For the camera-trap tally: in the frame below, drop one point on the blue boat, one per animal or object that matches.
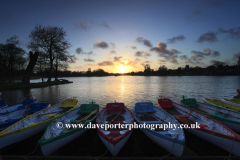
(153, 119)
(20, 106)
(22, 111)
(3, 104)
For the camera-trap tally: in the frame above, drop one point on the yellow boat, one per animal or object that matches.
(35, 123)
(235, 100)
(221, 103)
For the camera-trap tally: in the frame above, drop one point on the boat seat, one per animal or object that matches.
(64, 132)
(144, 107)
(113, 122)
(164, 132)
(12, 120)
(203, 126)
(114, 132)
(152, 122)
(74, 121)
(115, 108)
(183, 116)
(50, 115)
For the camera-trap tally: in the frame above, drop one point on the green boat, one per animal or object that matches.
(68, 127)
(228, 117)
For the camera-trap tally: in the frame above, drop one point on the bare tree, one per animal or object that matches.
(50, 40)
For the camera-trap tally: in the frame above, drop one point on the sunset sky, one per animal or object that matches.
(124, 35)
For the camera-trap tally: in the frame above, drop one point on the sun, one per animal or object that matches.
(122, 69)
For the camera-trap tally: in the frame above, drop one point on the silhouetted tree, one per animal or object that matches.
(162, 70)
(29, 70)
(219, 64)
(238, 61)
(147, 70)
(50, 40)
(11, 57)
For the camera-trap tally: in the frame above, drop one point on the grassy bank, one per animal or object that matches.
(13, 86)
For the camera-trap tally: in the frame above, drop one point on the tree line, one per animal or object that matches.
(49, 52)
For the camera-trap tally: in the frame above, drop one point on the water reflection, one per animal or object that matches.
(130, 89)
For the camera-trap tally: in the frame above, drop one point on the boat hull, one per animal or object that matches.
(55, 145)
(5, 141)
(221, 142)
(115, 149)
(176, 150)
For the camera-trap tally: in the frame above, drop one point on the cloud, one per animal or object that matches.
(198, 56)
(133, 47)
(213, 61)
(104, 24)
(79, 50)
(183, 57)
(147, 62)
(73, 60)
(138, 54)
(161, 61)
(236, 56)
(100, 44)
(141, 54)
(106, 63)
(143, 41)
(88, 60)
(112, 44)
(170, 55)
(117, 59)
(82, 26)
(232, 32)
(207, 37)
(206, 52)
(112, 52)
(147, 54)
(175, 39)
(215, 54)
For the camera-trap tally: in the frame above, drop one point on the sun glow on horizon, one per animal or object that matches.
(122, 69)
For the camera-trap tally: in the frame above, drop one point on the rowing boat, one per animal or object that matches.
(35, 123)
(234, 101)
(22, 111)
(171, 139)
(58, 135)
(114, 138)
(220, 103)
(228, 117)
(16, 107)
(3, 104)
(208, 128)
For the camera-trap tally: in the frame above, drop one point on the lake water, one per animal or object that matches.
(130, 89)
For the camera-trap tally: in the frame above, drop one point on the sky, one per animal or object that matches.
(122, 36)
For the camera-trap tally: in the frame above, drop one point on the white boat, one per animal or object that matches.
(171, 139)
(229, 118)
(114, 138)
(57, 135)
(34, 123)
(209, 129)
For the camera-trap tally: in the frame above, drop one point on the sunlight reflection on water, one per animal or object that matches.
(130, 89)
